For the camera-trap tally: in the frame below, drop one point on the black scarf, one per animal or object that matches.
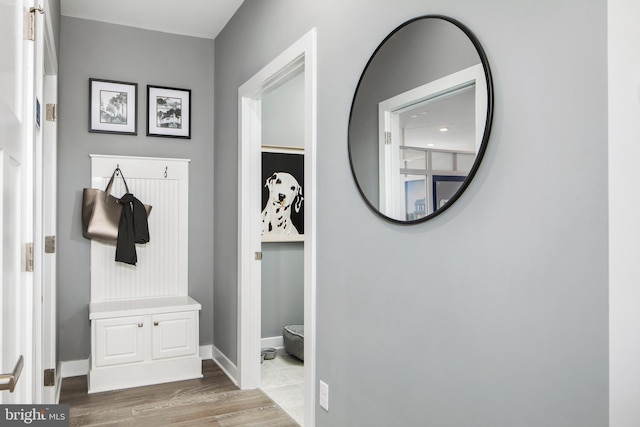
(133, 228)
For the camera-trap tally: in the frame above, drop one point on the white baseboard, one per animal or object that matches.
(227, 366)
(139, 374)
(206, 352)
(276, 342)
(73, 368)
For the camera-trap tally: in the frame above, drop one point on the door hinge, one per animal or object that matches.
(49, 377)
(29, 25)
(50, 244)
(51, 112)
(29, 257)
(258, 256)
(30, 22)
(387, 138)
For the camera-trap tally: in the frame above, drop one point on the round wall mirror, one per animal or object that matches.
(420, 119)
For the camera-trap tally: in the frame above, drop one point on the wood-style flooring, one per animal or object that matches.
(210, 401)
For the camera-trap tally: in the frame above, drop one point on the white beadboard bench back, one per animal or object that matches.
(162, 265)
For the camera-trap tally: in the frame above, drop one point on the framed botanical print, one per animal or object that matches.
(113, 107)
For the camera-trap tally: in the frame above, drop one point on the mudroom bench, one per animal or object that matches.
(144, 341)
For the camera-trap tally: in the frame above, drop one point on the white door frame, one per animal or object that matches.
(44, 291)
(301, 55)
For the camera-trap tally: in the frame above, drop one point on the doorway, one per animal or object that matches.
(299, 58)
(282, 218)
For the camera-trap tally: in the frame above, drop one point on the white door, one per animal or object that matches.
(16, 210)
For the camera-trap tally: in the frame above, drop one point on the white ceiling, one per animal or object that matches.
(197, 18)
(455, 111)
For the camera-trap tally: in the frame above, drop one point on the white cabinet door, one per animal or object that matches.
(174, 335)
(119, 340)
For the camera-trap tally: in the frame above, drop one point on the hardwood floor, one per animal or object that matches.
(210, 401)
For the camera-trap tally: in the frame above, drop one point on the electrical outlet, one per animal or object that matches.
(324, 395)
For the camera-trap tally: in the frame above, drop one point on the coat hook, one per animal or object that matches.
(166, 169)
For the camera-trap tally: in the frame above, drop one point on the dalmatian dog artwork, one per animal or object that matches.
(285, 194)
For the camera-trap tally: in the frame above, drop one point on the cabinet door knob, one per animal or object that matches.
(140, 325)
(155, 323)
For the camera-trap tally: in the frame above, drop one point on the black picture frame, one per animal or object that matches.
(275, 162)
(444, 188)
(113, 107)
(168, 112)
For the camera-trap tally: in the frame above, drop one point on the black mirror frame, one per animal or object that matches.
(487, 127)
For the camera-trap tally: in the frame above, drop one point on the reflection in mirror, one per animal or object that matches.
(420, 119)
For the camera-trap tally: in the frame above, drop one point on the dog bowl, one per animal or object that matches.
(269, 353)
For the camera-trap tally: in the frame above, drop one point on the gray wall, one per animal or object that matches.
(282, 286)
(283, 263)
(93, 49)
(54, 7)
(283, 114)
(493, 314)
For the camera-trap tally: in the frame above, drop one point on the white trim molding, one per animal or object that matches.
(76, 368)
(274, 342)
(623, 37)
(206, 352)
(228, 367)
(73, 368)
(299, 56)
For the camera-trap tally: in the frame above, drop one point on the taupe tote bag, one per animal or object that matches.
(101, 212)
